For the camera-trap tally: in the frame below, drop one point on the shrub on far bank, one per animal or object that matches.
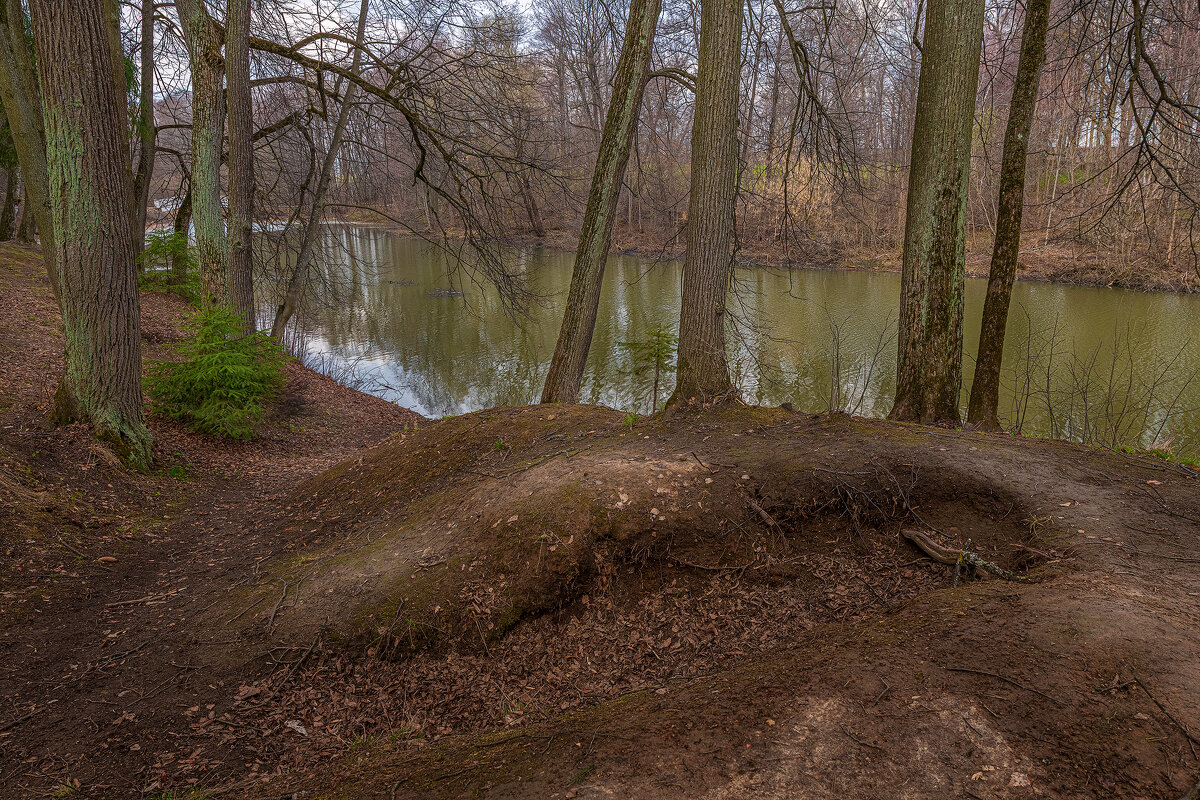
(222, 379)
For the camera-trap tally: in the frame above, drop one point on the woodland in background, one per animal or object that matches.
(487, 121)
(797, 133)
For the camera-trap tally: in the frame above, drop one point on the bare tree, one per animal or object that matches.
(702, 372)
(985, 387)
(579, 314)
(91, 196)
(929, 373)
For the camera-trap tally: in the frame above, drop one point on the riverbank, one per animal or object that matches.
(1070, 265)
(564, 602)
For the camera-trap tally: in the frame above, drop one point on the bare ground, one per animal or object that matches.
(545, 602)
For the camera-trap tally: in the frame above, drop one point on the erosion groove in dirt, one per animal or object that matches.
(444, 538)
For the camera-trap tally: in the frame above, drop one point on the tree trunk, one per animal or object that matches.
(929, 374)
(23, 104)
(25, 227)
(703, 373)
(91, 198)
(146, 129)
(208, 124)
(583, 298)
(240, 282)
(308, 245)
(9, 214)
(985, 388)
(183, 223)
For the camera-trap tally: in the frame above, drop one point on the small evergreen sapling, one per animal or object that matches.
(222, 377)
(652, 358)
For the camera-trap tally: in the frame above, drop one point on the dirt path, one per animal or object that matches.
(101, 674)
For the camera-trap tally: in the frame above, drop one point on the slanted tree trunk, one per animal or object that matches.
(208, 125)
(23, 104)
(985, 388)
(929, 374)
(239, 285)
(91, 196)
(308, 244)
(146, 129)
(583, 298)
(702, 371)
(8, 215)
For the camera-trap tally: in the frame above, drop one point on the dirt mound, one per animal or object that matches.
(451, 535)
(724, 606)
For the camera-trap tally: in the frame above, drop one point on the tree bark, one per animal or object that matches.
(145, 127)
(87, 152)
(929, 374)
(982, 410)
(23, 104)
(702, 372)
(25, 228)
(8, 215)
(183, 224)
(208, 125)
(583, 298)
(239, 285)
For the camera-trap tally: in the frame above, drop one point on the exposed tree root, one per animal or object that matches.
(957, 558)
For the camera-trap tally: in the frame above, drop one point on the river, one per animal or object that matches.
(1105, 366)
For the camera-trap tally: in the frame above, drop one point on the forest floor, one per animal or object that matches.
(562, 602)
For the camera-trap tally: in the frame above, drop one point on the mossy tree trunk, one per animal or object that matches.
(239, 285)
(702, 371)
(983, 409)
(208, 124)
(145, 128)
(23, 104)
(91, 196)
(583, 298)
(932, 278)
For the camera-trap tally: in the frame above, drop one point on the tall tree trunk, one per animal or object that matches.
(23, 104)
(308, 245)
(583, 298)
(703, 373)
(239, 285)
(91, 198)
(985, 388)
(146, 129)
(183, 223)
(208, 124)
(8, 215)
(929, 374)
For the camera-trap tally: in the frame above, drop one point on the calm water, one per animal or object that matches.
(1106, 366)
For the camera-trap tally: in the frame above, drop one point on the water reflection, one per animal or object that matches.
(1106, 366)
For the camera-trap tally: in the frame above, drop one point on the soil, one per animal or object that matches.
(562, 602)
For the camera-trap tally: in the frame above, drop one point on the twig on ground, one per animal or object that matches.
(1006, 680)
(858, 740)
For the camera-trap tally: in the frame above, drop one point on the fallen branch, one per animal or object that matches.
(956, 558)
(1009, 681)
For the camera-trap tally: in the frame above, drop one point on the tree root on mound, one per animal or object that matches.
(957, 558)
